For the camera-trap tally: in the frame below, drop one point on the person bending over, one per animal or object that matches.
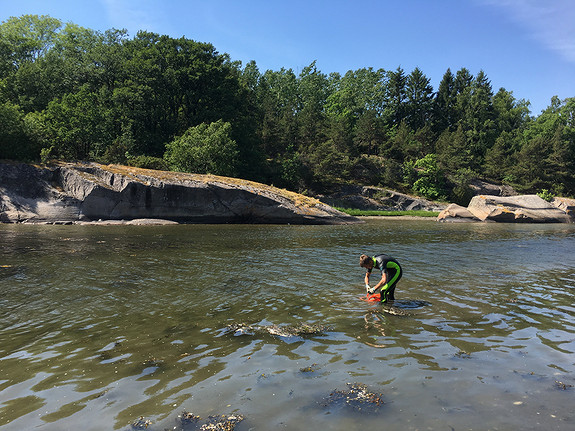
(390, 274)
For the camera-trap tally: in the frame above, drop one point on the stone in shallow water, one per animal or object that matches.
(141, 423)
(222, 423)
(357, 397)
(280, 331)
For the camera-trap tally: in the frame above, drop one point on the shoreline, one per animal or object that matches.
(163, 222)
(397, 217)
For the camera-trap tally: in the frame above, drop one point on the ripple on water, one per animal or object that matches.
(107, 324)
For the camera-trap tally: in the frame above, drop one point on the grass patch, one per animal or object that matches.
(367, 213)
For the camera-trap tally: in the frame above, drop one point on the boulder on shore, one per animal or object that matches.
(522, 208)
(565, 204)
(456, 213)
(76, 192)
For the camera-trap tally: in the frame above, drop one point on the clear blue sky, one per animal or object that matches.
(525, 46)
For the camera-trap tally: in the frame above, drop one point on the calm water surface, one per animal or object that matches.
(100, 325)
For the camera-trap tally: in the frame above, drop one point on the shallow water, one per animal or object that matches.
(100, 325)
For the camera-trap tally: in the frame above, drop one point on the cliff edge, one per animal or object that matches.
(74, 192)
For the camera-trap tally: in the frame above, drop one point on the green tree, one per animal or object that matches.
(353, 109)
(204, 149)
(369, 133)
(28, 37)
(511, 115)
(28, 74)
(462, 92)
(313, 92)
(478, 119)
(292, 169)
(396, 97)
(530, 169)
(78, 126)
(400, 143)
(425, 177)
(444, 116)
(14, 143)
(499, 159)
(355, 93)
(278, 101)
(453, 152)
(419, 99)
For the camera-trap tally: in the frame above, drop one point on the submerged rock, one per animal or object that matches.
(187, 418)
(141, 423)
(357, 397)
(88, 192)
(281, 331)
(222, 423)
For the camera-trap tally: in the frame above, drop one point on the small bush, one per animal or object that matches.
(546, 194)
(148, 162)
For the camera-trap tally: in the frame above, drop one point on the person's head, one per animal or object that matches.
(365, 261)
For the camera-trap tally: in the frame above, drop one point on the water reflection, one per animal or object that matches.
(102, 325)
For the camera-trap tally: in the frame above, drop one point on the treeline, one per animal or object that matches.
(71, 93)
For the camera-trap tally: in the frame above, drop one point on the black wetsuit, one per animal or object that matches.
(393, 273)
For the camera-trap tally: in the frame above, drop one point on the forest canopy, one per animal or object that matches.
(72, 93)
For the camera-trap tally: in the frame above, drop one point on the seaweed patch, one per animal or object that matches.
(300, 330)
(357, 397)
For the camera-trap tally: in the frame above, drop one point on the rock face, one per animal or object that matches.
(456, 213)
(484, 188)
(565, 204)
(84, 192)
(523, 208)
(376, 198)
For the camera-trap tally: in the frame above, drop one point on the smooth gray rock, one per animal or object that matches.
(523, 208)
(377, 198)
(456, 213)
(86, 192)
(479, 187)
(565, 204)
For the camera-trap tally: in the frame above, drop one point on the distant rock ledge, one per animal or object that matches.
(94, 193)
(512, 209)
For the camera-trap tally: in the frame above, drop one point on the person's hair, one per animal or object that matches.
(364, 260)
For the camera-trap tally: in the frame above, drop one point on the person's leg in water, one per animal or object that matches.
(388, 290)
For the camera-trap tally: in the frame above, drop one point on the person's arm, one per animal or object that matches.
(382, 281)
(367, 288)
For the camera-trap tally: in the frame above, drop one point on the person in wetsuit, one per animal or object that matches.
(390, 274)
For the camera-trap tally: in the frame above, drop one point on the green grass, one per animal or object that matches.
(367, 213)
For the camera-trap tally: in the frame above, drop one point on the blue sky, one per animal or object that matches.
(525, 46)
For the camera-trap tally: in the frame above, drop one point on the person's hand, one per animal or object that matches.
(369, 289)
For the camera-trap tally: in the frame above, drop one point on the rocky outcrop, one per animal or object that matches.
(87, 192)
(523, 208)
(376, 198)
(457, 213)
(479, 187)
(565, 204)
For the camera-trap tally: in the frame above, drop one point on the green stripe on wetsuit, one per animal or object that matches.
(392, 265)
(383, 263)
